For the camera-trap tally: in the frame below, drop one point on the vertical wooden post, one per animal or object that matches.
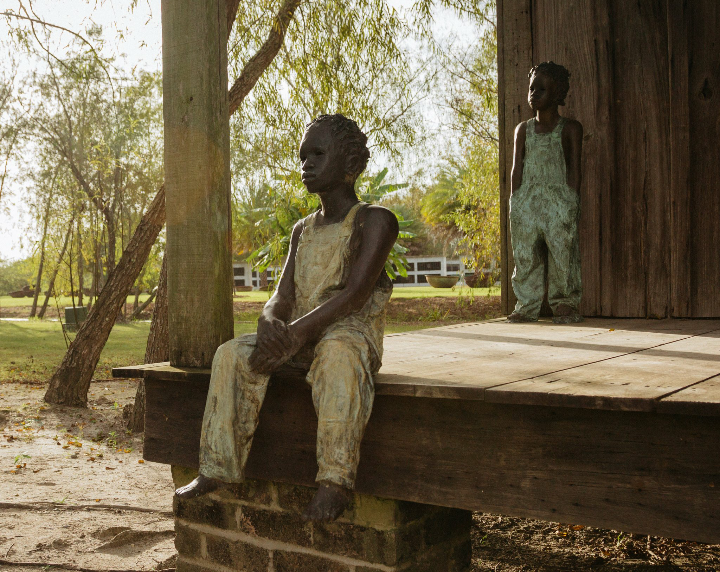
(515, 56)
(680, 192)
(197, 179)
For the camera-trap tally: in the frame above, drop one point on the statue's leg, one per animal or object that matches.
(343, 395)
(231, 411)
(563, 241)
(528, 279)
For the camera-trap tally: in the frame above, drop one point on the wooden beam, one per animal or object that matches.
(680, 212)
(630, 471)
(704, 167)
(197, 179)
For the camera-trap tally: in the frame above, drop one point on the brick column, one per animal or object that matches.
(258, 528)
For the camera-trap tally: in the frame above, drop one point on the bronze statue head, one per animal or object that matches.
(549, 85)
(333, 151)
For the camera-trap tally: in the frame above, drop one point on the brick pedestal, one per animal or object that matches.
(258, 528)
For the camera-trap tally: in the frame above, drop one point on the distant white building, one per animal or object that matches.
(418, 267)
(244, 275)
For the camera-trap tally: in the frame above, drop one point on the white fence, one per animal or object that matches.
(419, 266)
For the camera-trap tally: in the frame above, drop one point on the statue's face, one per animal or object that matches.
(542, 92)
(323, 167)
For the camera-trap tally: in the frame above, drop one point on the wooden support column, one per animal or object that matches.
(515, 57)
(197, 179)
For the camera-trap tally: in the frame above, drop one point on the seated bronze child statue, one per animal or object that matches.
(545, 202)
(327, 315)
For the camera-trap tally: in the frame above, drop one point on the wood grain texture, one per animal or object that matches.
(701, 399)
(640, 258)
(631, 382)
(587, 53)
(680, 190)
(197, 179)
(514, 62)
(645, 83)
(704, 103)
(629, 471)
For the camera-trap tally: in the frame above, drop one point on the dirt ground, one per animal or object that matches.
(75, 494)
(73, 487)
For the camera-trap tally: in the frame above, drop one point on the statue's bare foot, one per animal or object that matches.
(329, 503)
(517, 318)
(200, 486)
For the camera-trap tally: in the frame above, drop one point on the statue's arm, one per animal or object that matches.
(280, 304)
(518, 157)
(572, 138)
(379, 231)
(273, 337)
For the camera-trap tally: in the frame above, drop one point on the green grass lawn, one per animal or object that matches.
(400, 292)
(258, 296)
(62, 301)
(429, 292)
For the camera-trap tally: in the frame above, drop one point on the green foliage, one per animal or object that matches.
(98, 146)
(339, 56)
(463, 203)
(276, 221)
(16, 275)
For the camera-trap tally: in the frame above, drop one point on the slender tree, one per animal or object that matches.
(43, 238)
(53, 276)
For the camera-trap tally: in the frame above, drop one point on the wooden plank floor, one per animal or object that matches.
(629, 365)
(610, 423)
(599, 364)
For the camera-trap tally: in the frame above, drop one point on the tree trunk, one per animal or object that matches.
(69, 384)
(157, 349)
(139, 310)
(80, 265)
(110, 226)
(38, 279)
(51, 284)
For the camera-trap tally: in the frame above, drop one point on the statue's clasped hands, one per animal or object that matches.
(276, 343)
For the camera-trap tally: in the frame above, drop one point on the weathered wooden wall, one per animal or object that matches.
(645, 81)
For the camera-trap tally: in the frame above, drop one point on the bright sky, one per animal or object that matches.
(134, 38)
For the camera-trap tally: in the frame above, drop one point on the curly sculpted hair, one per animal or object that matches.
(351, 140)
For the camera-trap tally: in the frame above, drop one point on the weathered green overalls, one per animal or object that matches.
(341, 366)
(545, 209)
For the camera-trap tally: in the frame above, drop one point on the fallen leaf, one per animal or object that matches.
(109, 468)
(140, 461)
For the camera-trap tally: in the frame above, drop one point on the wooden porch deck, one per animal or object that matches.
(612, 423)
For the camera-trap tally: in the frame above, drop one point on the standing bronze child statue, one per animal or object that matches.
(545, 201)
(327, 315)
